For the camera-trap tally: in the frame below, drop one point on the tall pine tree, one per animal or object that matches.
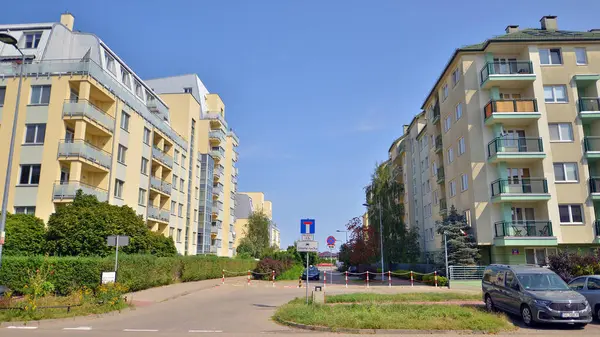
(462, 246)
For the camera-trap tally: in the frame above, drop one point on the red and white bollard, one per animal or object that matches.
(273, 278)
(325, 279)
(248, 277)
(435, 278)
(389, 278)
(346, 279)
(412, 280)
(223, 278)
(367, 279)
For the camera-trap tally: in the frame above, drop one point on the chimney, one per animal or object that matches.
(68, 20)
(549, 22)
(511, 29)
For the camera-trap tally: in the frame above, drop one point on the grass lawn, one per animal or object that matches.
(407, 297)
(393, 316)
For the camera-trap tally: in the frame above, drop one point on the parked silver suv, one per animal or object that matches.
(535, 293)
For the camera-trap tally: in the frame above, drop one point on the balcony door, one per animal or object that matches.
(518, 180)
(514, 140)
(505, 66)
(69, 136)
(523, 218)
(522, 214)
(64, 175)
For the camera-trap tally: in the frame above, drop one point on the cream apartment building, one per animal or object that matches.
(87, 121)
(514, 139)
(248, 203)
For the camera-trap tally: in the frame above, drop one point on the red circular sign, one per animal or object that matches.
(331, 240)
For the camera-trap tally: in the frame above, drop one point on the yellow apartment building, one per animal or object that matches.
(87, 121)
(249, 202)
(509, 135)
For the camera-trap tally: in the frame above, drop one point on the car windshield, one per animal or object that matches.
(539, 282)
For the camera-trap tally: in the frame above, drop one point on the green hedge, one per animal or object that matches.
(136, 272)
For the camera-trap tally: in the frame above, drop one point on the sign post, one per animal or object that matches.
(116, 241)
(307, 230)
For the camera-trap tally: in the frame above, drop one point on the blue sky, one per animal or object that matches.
(316, 90)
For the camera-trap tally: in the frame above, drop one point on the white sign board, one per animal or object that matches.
(308, 237)
(307, 246)
(109, 277)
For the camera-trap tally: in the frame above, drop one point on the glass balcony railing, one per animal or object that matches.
(510, 106)
(162, 157)
(591, 144)
(589, 104)
(67, 190)
(520, 186)
(161, 185)
(521, 145)
(83, 108)
(217, 205)
(439, 145)
(216, 116)
(84, 150)
(524, 228)
(506, 68)
(158, 213)
(217, 134)
(443, 205)
(594, 184)
(440, 175)
(217, 152)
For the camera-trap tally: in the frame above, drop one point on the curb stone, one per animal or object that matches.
(64, 319)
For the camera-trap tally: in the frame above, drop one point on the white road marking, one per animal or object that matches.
(80, 328)
(140, 330)
(206, 331)
(22, 327)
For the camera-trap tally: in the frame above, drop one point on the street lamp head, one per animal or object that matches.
(8, 39)
(366, 205)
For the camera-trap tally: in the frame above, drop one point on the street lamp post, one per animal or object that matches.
(346, 232)
(9, 39)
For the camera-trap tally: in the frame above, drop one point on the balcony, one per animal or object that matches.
(436, 114)
(217, 205)
(162, 157)
(515, 150)
(524, 233)
(511, 111)
(397, 172)
(595, 188)
(589, 108)
(217, 120)
(591, 145)
(158, 214)
(83, 109)
(219, 171)
(213, 249)
(597, 229)
(160, 185)
(400, 149)
(443, 206)
(440, 175)
(217, 153)
(217, 136)
(66, 191)
(522, 190)
(439, 144)
(511, 74)
(234, 155)
(85, 152)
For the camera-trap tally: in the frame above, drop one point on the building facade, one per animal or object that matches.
(512, 128)
(248, 203)
(87, 121)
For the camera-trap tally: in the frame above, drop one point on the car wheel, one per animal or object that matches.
(598, 312)
(489, 304)
(527, 315)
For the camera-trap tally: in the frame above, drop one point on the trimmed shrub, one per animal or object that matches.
(266, 266)
(569, 265)
(430, 280)
(136, 272)
(25, 235)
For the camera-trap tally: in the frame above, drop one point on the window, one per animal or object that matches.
(2, 95)
(183, 160)
(464, 182)
(180, 210)
(550, 56)
(580, 56)
(171, 231)
(196, 193)
(142, 197)
(445, 91)
(197, 171)
(30, 174)
(181, 182)
(427, 186)
(125, 77)
(173, 208)
(561, 132)
(555, 94)
(592, 283)
(40, 95)
(570, 213)
(178, 235)
(187, 90)
(434, 168)
(447, 123)
(144, 168)
(124, 121)
(147, 136)
(119, 184)
(196, 215)
(174, 182)
(577, 284)
(109, 63)
(458, 111)
(566, 172)
(138, 90)
(450, 155)
(35, 133)
(176, 157)
(32, 40)
(461, 146)
(436, 197)
(452, 188)
(455, 77)
(121, 154)
(25, 210)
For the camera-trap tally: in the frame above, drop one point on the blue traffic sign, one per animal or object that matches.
(307, 226)
(330, 241)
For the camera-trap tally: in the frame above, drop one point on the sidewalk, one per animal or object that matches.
(165, 293)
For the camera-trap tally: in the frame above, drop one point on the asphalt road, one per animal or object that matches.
(233, 309)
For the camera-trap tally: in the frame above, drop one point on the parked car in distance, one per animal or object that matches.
(537, 294)
(589, 287)
(3, 290)
(313, 273)
(352, 269)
